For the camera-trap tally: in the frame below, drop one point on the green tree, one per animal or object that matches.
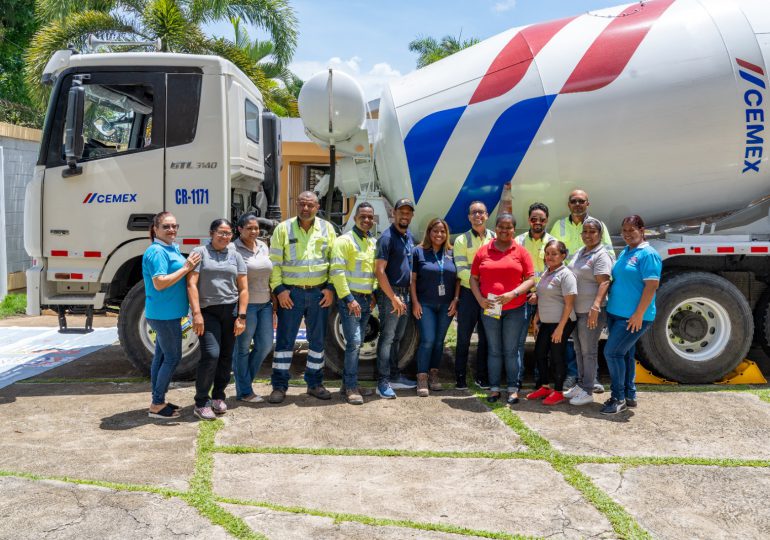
(176, 22)
(262, 54)
(432, 50)
(17, 25)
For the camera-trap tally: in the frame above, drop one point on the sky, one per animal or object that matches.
(370, 39)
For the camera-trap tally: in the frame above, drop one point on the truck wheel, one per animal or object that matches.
(138, 339)
(702, 331)
(334, 347)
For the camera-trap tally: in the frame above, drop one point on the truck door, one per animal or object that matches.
(119, 183)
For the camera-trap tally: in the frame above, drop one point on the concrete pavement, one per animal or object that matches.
(82, 459)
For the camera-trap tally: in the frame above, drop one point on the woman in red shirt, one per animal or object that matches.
(501, 275)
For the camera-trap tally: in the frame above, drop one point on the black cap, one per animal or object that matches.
(404, 202)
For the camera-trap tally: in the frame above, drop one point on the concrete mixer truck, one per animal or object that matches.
(656, 107)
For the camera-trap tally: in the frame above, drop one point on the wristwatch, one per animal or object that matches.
(242, 316)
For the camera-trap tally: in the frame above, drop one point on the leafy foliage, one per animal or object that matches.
(17, 25)
(432, 50)
(176, 22)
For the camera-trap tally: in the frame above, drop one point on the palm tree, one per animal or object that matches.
(430, 50)
(284, 97)
(176, 22)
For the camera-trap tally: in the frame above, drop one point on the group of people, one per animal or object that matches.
(568, 283)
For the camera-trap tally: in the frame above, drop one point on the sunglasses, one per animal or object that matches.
(578, 201)
(169, 227)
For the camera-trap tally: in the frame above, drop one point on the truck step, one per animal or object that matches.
(61, 311)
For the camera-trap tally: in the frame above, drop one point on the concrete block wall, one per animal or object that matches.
(20, 150)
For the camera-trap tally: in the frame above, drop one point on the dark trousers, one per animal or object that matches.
(217, 344)
(468, 318)
(551, 357)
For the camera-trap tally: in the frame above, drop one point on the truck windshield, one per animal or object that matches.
(117, 118)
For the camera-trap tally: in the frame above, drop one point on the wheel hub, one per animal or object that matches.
(689, 326)
(698, 329)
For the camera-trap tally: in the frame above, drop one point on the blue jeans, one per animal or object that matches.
(503, 336)
(468, 319)
(354, 330)
(529, 314)
(305, 306)
(168, 353)
(392, 328)
(433, 327)
(619, 353)
(259, 329)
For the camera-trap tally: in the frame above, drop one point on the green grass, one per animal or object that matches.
(450, 341)
(372, 452)
(13, 305)
(201, 494)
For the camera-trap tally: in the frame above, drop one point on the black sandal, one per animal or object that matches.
(175, 407)
(493, 397)
(165, 413)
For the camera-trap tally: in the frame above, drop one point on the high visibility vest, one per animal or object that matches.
(569, 233)
(299, 257)
(465, 247)
(536, 250)
(352, 264)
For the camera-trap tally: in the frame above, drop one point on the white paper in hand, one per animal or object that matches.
(496, 309)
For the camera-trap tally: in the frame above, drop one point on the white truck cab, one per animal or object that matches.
(128, 135)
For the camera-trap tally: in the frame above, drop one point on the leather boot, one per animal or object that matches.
(433, 383)
(422, 385)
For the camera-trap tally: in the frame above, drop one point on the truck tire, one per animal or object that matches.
(138, 339)
(702, 331)
(334, 347)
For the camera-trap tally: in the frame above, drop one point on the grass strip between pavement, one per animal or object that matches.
(117, 486)
(624, 525)
(377, 522)
(201, 494)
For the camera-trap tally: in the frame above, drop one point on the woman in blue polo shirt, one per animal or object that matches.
(630, 311)
(163, 271)
(435, 292)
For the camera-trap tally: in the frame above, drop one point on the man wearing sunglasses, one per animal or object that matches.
(569, 231)
(534, 241)
(468, 310)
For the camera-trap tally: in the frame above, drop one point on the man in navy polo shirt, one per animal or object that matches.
(393, 268)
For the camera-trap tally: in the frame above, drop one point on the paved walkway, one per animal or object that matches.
(80, 458)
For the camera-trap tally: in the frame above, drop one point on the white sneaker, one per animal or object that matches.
(582, 398)
(572, 392)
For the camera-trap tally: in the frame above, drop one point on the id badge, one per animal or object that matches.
(441, 290)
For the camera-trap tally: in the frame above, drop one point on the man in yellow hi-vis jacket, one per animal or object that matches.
(300, 250)
(352, 274)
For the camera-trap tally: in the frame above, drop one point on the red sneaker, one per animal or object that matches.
(540, 393)
(554, 398)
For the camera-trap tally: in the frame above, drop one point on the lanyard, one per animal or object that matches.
(407, 251)
(440, 263)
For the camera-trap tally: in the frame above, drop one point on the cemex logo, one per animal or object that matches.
(109, 198)
(754, 114)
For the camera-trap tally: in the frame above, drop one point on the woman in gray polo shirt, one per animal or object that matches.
(556, 292)
(592, 266)
(218, 296)
(259, 314)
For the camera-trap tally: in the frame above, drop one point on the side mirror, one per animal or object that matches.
(73, 130)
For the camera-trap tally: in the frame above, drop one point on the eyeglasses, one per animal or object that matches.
(478, 212)
(224, 234)
(169, 227)
(578, 201)
(537, 220)
(251, 229)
